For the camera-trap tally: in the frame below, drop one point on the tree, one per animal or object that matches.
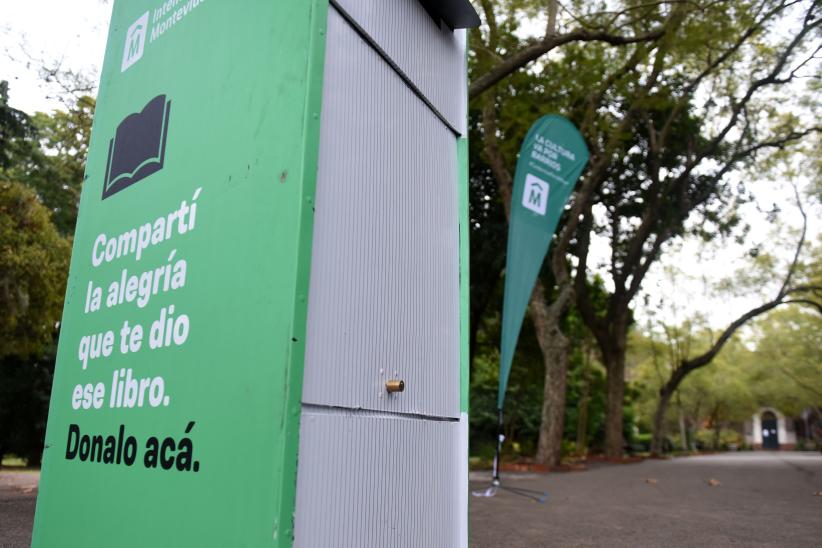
(25, 388)
(786, 367)
(42, 159)
(593, 25)
(708, 112)
(15, 126)
(64, 140)
(51, 159)
(795, 288)
(715, 395)
(775, 364)
(507, 100)
(33, 269)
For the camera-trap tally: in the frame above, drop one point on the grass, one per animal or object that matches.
(10, 461)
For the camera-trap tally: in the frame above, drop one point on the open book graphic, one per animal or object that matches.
(138, 147)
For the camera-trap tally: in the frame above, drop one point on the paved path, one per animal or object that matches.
(762, 499)
(18, 491)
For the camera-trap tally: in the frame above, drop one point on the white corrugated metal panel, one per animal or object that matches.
(462, 474)
(372, 480)
(384, 292)
(432, 57)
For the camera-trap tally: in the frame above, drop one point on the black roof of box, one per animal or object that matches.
(457, 14)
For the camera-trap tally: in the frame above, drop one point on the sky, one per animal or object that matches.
(72, 34)
(36, 33)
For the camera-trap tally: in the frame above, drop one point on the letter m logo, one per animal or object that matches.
(535, 194)
(135, 42)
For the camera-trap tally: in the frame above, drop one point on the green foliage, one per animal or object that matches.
(586, 381)
(51, 159)
(15, 126)
(525, 392)
(33, 269)
(708, 439)
(42, 159)
(64, 140)
(524, 402)
(785, 371)
(778, 366)
(721, 389)
(672, 123)
(25, 387)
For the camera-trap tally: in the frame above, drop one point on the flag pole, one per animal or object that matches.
(552, 157)
(496, 482)
(500, 439)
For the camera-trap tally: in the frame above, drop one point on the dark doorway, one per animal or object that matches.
(770, 436)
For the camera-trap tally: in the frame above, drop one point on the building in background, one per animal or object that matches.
(769, 429)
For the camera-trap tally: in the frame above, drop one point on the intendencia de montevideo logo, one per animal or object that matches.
(135, 42)
(535, 194)
(162, 19)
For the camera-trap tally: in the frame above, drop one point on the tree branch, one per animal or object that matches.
(688, 365)
(505, 182)
(536, 50)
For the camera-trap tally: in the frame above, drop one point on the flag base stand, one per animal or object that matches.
(496, 482)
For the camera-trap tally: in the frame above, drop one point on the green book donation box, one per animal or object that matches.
(264, 334)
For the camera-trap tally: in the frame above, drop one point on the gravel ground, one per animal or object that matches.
(18, 491)
(741, 499)
(761, 499)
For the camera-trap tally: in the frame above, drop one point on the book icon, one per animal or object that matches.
(139, 146)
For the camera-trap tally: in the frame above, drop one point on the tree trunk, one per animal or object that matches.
(659, 422)
(546, 318)
(584, 402)
(554, 345)
(717, 427)
(683, 432)
(692, 427)
(668, 389)
(615, 386)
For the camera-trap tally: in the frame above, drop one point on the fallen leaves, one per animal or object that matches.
(652, 481)
(713, 482)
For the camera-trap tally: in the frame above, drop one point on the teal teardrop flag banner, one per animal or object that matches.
(550, 161)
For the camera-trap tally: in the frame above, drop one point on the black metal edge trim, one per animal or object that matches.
(385, 57)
